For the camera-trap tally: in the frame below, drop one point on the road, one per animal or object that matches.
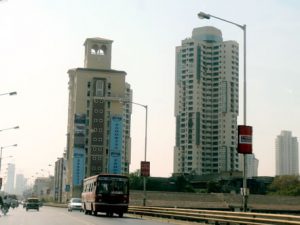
(60, 216)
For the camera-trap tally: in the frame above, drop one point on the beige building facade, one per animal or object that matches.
(98, 138)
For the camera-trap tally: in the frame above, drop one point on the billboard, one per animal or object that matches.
(79, 130)
(115, 145)
(78, 166)
(244, 139)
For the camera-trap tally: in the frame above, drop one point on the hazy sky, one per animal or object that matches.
(41, 39)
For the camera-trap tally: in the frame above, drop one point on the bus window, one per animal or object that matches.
(114, 186)
(102, 188)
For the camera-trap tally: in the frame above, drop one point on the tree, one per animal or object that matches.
(214, 187)
(285, 185)
(135, 180)
(183, 184)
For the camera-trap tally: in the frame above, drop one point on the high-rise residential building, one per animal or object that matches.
(59, 180)
(10, 180)
(20, 184)
(98, 119)
(206, 103)
(287, 155)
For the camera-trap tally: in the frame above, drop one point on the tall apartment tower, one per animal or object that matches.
(9, 186)
(287, 155)
(59, 180)
(20, 186)
(98, 138)
(206, 103)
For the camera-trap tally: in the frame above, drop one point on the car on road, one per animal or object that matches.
(32, 203)
(74, 204)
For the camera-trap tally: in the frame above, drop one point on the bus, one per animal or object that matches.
(108, 193)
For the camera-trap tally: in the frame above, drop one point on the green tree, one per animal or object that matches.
(285, 185)
(213, 186)
(135, 180)
(183, 184)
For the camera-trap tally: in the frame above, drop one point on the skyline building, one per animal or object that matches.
(10, 180)
(98, 137)
(60, 180)
(287, 154)
(206, 103)
(21, 183)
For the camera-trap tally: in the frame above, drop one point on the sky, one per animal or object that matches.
(40, 40)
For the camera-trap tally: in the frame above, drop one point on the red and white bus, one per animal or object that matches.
(108, 193)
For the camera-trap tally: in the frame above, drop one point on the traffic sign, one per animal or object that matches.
(145, 168)
(244, 140)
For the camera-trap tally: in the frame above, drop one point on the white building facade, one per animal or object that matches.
(206, 103)
(9, 186)
(251, 164)
(21, 183)
(287, 154)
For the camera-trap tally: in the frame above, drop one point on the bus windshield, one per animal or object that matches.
(112, 186)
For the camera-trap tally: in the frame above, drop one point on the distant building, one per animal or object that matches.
(287, 154)
(21, 183)
(60, 180)
(252, 165)
(98, 137)
(10, 180)
(206, 104)
(43, 187)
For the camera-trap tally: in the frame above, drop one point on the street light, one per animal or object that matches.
(10, 128)
(46, 171)
(145, 156)
(50, 165)
(9, 93)
(203, 15)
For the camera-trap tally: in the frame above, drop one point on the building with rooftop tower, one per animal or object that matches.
(98, 137)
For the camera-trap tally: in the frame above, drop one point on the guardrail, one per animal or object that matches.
(217, 217)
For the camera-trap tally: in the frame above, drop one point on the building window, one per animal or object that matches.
(96, 50)
(99, 89)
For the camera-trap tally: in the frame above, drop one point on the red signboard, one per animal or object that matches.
(145, 168)
(244, 139)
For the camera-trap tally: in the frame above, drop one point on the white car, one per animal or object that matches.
(74, 204)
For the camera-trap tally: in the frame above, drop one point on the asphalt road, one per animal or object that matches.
(61, 216)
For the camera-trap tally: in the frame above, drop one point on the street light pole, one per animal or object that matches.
(203, 15)
(146, 119)
(145, 152)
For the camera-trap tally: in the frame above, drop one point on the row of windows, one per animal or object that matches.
(96, 158)
(204, 53)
